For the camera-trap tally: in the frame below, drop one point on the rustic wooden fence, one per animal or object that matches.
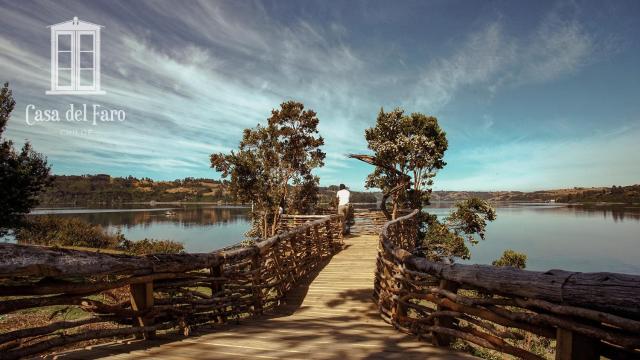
(586, 314)
(368, 221)
(290, 222)
(166, 291)
(363, 222)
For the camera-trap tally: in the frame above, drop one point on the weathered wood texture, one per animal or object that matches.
(167, 291)
(490, 306)
(330, 315)
(367, 222)
(364, 221)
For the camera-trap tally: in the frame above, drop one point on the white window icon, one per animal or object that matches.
(75, 58)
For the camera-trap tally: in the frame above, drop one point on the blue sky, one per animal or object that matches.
(532, 94)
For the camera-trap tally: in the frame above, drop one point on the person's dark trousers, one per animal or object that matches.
(343, 210)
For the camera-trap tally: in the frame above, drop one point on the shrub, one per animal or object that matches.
(151, 246)
(511, 258)
(60, 231)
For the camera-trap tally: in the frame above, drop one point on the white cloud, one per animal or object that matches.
(479, 60)
(602, 159)
(491, 59)
(558, 47)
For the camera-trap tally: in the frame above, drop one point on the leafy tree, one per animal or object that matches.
(408, 152)
(466, 223)
(304, 196)
(24, 174)
(511, 258)
(269, 160)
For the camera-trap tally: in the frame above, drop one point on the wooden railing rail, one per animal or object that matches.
(130, 295)
(503, 309)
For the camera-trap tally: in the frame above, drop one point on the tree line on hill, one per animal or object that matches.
(614, 194)
(106, 190)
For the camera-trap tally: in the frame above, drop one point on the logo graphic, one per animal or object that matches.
(75, 58)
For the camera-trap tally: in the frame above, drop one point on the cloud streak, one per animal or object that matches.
(191, 77)
(491, 59)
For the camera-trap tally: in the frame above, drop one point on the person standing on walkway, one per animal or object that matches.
(343, 207)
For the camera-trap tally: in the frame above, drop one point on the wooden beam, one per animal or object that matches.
(29, 260)
(217, 286)
(573, 346)
(439, 338)
(611, 292)
(142, 299)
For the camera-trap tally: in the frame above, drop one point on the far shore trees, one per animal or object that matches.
(24, 174)
(270, 161)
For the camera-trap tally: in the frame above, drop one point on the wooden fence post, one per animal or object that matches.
(329, 237)
(218, 286)
(297, 271)
(319, 243)
(309, 246)
(337, 228)
(142, 299)
(444, 321)
(256, 283)
(574, 346)
(399, 311)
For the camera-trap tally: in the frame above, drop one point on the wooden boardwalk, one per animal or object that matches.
(331, 316)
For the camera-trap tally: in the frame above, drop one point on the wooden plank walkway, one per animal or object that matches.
(330, 317)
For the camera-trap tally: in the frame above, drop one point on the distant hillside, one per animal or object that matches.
(328, 194)
(104, 189)
(614, 194)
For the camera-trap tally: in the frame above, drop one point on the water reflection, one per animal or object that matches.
(183, 216)
(617, 213)
(554, 236)
(200, 228)
(562, 237)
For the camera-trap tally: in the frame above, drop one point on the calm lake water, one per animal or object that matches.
(552, 236)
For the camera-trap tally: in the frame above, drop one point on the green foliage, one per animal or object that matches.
(413, 145)
(24, 174)
(270, 159)
(511, 258)
(151, 246)
(466, 223)
(67, 232)
(409, 151)
(439, 242)
(469, 218)
(615, 194)
(106, 190)
(63, 231)
(304, 197)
